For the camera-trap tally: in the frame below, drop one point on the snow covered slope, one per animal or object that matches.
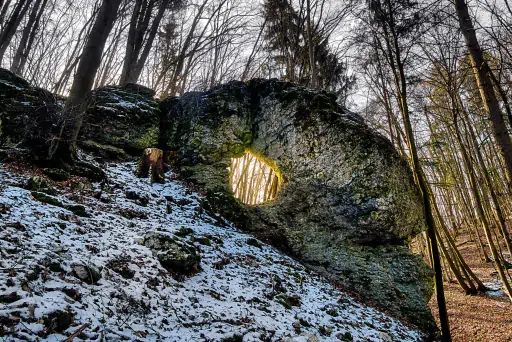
(242, 291)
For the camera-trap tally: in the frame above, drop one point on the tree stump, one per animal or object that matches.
(151, 165)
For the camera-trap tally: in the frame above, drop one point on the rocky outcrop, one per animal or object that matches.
(125, 118)
(348, 203)
(119, 120)
(26, 112)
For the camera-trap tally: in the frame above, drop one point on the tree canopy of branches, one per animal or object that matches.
(288, 36)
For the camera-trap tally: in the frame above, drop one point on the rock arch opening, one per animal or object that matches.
(253, 181)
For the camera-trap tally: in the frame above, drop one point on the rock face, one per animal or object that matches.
(123, 117)
(25, 110)
(348, 203)
(119, 120)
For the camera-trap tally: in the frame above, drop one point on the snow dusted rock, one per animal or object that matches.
(303, 338)
(175, 255)
(348, 202)
(243, 292)
(86, 273)
(125, 118)
(25, 110)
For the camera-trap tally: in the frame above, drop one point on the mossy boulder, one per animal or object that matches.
(348, 204)
(86, 273)
(28, 114)
(121, 118)
(175, 255)
(40, 184)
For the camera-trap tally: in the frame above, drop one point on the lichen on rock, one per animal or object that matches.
(126, 118)
(348, 203)
(175, 255)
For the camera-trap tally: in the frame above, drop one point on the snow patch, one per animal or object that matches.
(241, 290)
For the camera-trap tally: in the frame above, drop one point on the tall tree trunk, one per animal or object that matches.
(311, 48)
(3, 11)
(75, 54)
(135, 74)
(480, 210)
(485, 85)
(140, 41)
(28, 36)
(12, 25)
(130, 42)
(397, 68)
(88, 65)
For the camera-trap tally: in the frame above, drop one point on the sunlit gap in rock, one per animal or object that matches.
(253, 181)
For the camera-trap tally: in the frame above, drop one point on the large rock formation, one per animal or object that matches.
(26, 112)
(347, 206)
(119, 120)
(126, 118)
(348, 203)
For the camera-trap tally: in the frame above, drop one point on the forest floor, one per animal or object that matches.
(485, 317)
(95, 276)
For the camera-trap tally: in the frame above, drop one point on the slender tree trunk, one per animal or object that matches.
(90, 61)
(28, 36)
(480, 210)
(135, 74)
(311, 48)
(485, 85)
(499, 213)
(3, 11)
(401, 90)
(12, 25)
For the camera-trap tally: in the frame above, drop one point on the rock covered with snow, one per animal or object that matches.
(25, 110)
(118, 120)
(103, 275)
(125, 118)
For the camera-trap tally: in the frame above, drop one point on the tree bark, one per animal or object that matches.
(485, 85)
(90, 60)
(151, 165)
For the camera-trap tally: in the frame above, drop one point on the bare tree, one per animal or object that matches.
(65, 149)
(28, 37)
(12, 24)
(141, 36)
(483, 76)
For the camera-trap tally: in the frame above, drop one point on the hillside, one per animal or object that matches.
(99, 270)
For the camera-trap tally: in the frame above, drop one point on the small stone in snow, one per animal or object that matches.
(174, 255)
(9, 298)
(86, 273)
